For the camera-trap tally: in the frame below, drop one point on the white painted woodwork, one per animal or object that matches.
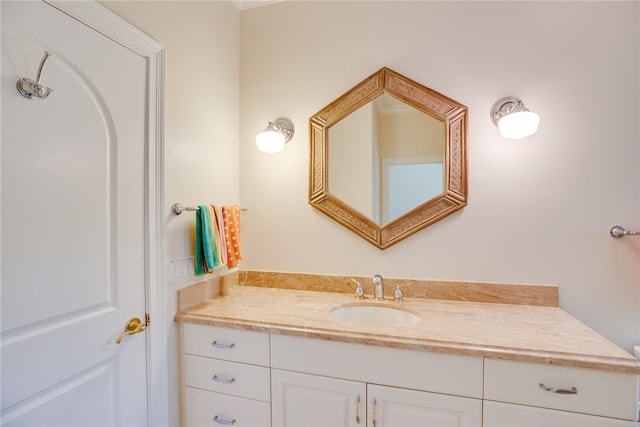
(420, 370)
(396, 407)
(241, 356)
(73, 224)
(498, 414)
(609, 394)
(328, 384)
(310, 400)
(204, 405)
(105, 22)
(238, 379)
(341, 370)
(237, 345)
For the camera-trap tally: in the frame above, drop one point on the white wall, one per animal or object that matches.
(201, 41)
(539, 209)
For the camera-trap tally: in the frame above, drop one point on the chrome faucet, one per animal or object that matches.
(378, 287)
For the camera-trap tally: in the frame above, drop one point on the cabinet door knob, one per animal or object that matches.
(573, 390)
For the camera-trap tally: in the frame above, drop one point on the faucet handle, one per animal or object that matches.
(359, 290)
(397, 294)
(378, 288)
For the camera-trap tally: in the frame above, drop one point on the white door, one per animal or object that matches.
(302, 400)
(72, 230)
(396, 407)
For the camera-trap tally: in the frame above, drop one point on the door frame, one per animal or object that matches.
(112, 26)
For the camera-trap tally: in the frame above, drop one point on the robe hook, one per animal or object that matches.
(33, 89)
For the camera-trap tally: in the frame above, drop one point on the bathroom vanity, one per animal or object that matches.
(274, 357)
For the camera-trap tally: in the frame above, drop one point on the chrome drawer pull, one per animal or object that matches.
(217, 344)
(223, 380)
(559, 390)
(218, 420)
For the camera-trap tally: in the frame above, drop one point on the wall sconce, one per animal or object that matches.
(513, 119)
(275, 135)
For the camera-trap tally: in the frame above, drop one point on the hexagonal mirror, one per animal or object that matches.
(388, 158)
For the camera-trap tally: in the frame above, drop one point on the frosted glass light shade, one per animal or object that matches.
(519, 125)
(270, 141)
(513, 119)
(277, 133)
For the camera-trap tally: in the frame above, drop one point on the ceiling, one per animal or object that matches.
(248, 4)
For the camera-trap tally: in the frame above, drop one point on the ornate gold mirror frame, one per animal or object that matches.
(454, 195)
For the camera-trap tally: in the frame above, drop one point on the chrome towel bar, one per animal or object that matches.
(619, 231)
(177, 208)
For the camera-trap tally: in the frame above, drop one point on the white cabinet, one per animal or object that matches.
(545, 395)
(204, 408)
(414, 369)
(257, 379)
(226, 377)
(332, 384)
(397, 407)
(311, 400)
(498, 414)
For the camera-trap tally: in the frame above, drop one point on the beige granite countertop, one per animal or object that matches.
(501, 331)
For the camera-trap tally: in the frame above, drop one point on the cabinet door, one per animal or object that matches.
(302, 400)
(396, 407)
(498, 414)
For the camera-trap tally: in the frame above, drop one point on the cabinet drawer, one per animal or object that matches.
(609, 394)
(237, 345)
(205, 408)
(238, 379)
(418, 370)
(498, 414)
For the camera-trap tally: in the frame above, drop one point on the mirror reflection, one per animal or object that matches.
(386, 158)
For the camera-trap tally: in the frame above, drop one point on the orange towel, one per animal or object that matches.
(231, 218)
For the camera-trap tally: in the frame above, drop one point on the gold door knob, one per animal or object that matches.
(133, 326)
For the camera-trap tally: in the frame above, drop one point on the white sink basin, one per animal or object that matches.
(374, 315)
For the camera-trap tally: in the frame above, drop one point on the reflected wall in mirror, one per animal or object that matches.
(388, 158)
(377, 153)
